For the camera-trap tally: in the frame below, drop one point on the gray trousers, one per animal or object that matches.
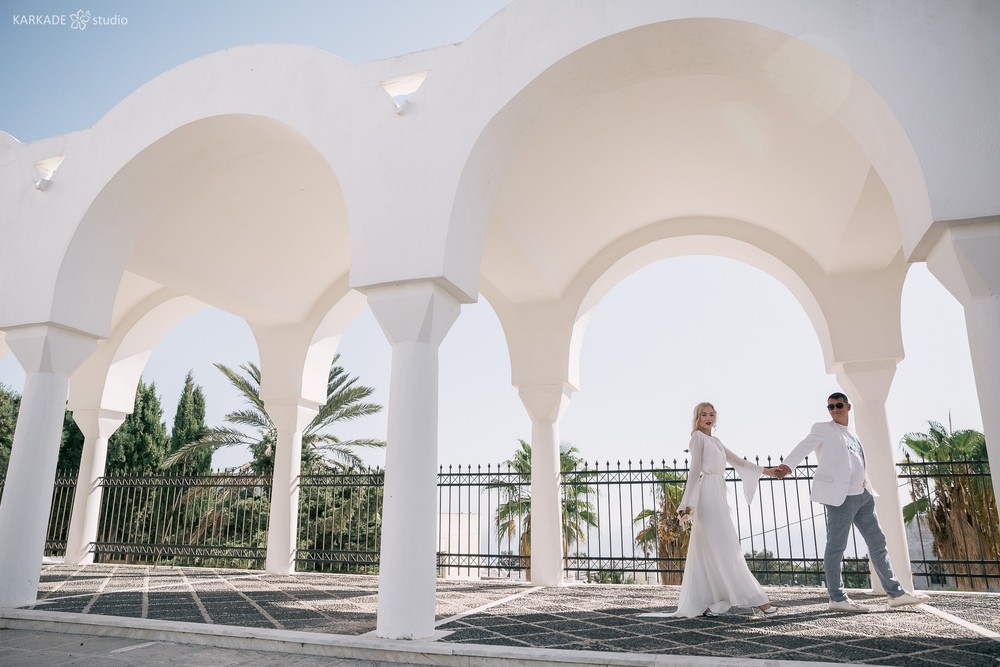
(858, 510)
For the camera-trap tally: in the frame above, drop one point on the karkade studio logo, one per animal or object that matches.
(78, 20)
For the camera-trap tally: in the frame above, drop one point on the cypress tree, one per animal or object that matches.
(71, 446)
(189, 426)
(10, 403)
(139, 445)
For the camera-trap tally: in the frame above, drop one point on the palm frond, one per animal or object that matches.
(319, 447)
(210, 441)
(911, 510)
(248, 385)
(252, 418)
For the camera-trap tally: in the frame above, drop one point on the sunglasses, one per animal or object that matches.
(839, 406)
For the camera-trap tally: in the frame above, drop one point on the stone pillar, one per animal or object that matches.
(966, 259)
(545, 405)
(48, 354)
(415, 318)
(982, 321)
(867, 384)
(290, 418)
(97, 426)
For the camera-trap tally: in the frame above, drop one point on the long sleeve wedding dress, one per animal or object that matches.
(716, 576)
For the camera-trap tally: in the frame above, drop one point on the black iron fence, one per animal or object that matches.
(59, 516)
(340, 522)
(619, 523)
(217, 520)
(483, 524)
(636, 536)
(951, 521)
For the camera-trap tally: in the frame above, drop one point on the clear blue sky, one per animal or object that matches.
(678, 332)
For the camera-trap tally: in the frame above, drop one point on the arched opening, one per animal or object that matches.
(239, 212)
(689, 329)
(693, 117)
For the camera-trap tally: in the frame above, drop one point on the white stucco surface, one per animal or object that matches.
(559, 149)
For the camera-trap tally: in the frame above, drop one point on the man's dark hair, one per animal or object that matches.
(839, 397)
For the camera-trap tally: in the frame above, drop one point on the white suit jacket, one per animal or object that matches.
(833, 466)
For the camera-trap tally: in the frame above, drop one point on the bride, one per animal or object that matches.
(716, 576)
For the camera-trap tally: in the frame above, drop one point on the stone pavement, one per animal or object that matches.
(180, 616)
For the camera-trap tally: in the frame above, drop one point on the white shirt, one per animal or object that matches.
(856, 455)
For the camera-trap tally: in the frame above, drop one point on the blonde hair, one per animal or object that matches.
(697, 414)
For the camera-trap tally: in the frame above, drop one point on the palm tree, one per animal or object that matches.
(514, 513)
(516, 508)
(960, 510)
(321, 450)
(662, 531)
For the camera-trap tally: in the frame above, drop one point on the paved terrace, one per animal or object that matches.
(254, 618)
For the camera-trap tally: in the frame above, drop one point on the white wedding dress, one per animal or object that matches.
(716, 575)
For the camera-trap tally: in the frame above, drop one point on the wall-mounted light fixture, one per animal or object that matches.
(45, 169)
(401, 88)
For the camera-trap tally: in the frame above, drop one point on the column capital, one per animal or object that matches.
(417, 312)
(292, 414)
(964, 259)
(98, 423)
(49, 347)
(545, 402)
(868, 380)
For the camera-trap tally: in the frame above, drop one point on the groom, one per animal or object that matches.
(841, 483)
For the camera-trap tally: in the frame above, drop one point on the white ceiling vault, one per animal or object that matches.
(558, 149)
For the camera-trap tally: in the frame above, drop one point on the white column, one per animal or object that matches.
(966, 259)
(97, 426)
(545, 405)
(290, 418)
(867, 383)
(982, 321)
(48, 354)
(415, 318)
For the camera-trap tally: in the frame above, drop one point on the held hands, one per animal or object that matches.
(684, 515)
(778, 472)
